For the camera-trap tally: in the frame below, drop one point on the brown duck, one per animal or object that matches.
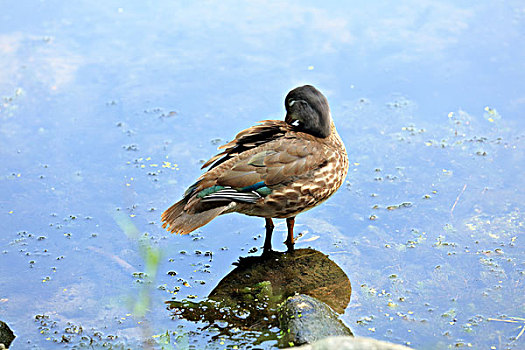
(275, 169)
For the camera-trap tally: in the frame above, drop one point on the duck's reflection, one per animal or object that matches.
(255, 296)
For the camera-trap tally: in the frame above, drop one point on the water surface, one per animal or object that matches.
(109, 108)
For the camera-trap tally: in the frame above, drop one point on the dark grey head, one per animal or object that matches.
(307, 110)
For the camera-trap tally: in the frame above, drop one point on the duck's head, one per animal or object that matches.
(308, 111)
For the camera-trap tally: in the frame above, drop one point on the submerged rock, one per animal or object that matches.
(304, 319)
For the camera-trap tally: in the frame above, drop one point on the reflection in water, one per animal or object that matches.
(251, 296)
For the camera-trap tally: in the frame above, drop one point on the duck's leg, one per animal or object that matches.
(290, 239)
(268, 239)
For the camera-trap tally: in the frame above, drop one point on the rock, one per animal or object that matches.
(250, 295)
(6, 336)
(304, 319)
(302, 271)
(350, 343)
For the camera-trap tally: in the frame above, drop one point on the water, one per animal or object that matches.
(108, 110)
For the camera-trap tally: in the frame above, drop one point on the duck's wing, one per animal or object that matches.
(246, 176)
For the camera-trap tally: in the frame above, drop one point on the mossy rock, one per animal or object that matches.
(250, 295)
(303, 271)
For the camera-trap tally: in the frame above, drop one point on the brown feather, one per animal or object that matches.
(286, 157)
(178, 220)
(238, 179)
(212, 159)
(250, 138)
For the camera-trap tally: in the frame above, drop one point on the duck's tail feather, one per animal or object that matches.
(178, 220)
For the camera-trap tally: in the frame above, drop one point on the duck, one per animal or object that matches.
(275, 169)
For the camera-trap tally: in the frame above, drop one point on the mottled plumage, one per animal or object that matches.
(275, 169)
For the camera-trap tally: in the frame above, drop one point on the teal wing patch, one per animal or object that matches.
(247, 194)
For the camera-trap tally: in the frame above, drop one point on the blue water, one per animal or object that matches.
(109, 108)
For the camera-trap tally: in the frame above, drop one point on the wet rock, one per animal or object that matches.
(6, 336)
(303, 271)
(251, 296)
(304, 319)
(350, 343)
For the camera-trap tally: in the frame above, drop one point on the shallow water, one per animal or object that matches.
(108, 110)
